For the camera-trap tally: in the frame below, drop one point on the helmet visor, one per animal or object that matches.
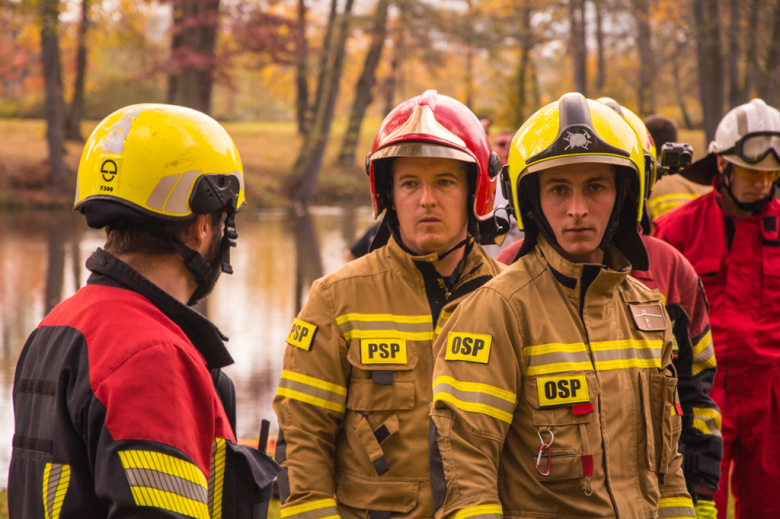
(417, 149)
(755, 147)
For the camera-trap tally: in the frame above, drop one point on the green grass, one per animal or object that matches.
(3, 503)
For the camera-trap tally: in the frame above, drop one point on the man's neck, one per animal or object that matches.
(167, 271)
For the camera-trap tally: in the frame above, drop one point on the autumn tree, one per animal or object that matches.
(710, 63)
(577, 48)
(49, 12)
(76, 107)
(365, 85)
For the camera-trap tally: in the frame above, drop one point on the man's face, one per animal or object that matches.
(748, 185)
(577, 200)
(430, 196)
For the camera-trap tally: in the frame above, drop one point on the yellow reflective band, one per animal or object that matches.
(471, 347)
(383, 351)
(301, 334)
(162, 481)
(665, 203)
(703, 355)
(56, 478)
(476, 398)
(676, 508)
(558, 367)
(312, 391)
(320, 509)
(708, 421)
(443, 318)
(626, 344)
(216, 478)
(479, 512)
(562, 390)
(386, 326)
(626, 354)
(554, 347)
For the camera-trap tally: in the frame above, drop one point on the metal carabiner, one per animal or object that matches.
(541, 451)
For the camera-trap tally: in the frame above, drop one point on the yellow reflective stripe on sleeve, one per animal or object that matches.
(321, 509)
(443, 318)
(703, 355)
(386, 326)
(665, 203)
(626, 354)
(216, 478)
(675, 508)
(476, 398)
(312, 391)
(56, 478)
(162, 481)
(707, 420)
(479, 512)
(545, 359)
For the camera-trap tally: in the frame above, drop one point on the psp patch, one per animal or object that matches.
(301, 334)
(383, 351)
(471, 347)
(562, 390)
(648, 317)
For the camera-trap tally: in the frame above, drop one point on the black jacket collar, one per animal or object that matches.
(207, 339)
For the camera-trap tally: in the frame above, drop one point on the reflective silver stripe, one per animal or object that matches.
(320, 509)
(154, 479)
(706, 420)
(475, 397)
(313, 391)
(676, 512)
(558, 358)
(625, 354)
(703, 354)
(389, 326)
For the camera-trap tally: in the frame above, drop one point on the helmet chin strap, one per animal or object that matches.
(207, 274)
(753, 207)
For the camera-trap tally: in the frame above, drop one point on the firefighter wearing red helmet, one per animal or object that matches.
(354, 395)
(731, 237)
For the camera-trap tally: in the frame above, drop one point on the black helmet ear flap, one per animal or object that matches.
(494, 165)
(368, 164)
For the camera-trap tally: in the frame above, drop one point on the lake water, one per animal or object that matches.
(279, 254)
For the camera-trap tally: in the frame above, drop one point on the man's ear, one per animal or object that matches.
(198, 232)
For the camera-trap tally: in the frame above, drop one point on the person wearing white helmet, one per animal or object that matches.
(731, 237)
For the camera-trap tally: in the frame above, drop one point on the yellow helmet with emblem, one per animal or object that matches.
(150, 163)
(576, 130)
(163, 161)
(645, 139)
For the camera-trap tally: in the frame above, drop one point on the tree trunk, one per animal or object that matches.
(678, 91)
(526, 41)
(391, 81)
(734, 94)
(73, 119)
(577, 47)
(325, 55)
(55, 104)
(751, 57)
(196, 24)
(365, 84)
(301, 70)
(470, 55)
(308, 263)
(55, 270)
(535, 83)
(601, 74)
(646, 68)
(710, 63)
(307, 166)
(772, 58)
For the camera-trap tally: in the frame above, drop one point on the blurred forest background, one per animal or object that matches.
(302, 85)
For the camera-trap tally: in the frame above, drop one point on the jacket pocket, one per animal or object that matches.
(770, 287)
(246, 476)
(365, 494)
(663, 422)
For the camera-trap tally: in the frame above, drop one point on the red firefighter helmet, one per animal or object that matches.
(433, 125)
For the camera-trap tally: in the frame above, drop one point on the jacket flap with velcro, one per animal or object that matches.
(393, 496)
(365, 395)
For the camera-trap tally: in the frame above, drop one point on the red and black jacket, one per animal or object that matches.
(120, 410)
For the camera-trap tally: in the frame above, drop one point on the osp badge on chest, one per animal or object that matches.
(648, 317)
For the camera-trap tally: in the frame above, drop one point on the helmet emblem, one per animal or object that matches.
(577, 140)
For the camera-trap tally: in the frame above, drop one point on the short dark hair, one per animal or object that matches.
(662, 129)
(135, 237)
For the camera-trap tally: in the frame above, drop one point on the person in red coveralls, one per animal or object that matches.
(120, 405)
(731, 238)
(694, 359)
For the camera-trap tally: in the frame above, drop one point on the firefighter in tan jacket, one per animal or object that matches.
(354, 397)
(554, 390)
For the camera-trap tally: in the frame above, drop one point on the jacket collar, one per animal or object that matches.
(107, 270)
(475, 258)
(598, 281)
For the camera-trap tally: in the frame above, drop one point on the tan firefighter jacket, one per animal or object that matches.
(555, 397)
(354, 398)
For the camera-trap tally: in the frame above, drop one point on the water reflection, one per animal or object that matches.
(278, 256)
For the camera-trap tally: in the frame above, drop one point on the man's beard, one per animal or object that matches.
(213, 257)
